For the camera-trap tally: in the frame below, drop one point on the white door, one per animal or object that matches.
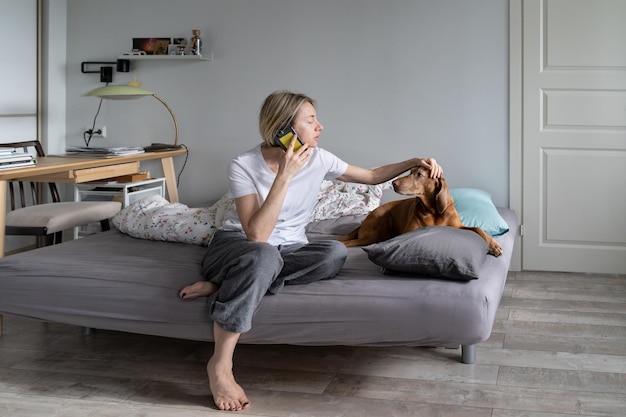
(574, 135)
(18, 71)
(18, 81)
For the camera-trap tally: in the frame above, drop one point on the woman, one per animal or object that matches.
(262, 245)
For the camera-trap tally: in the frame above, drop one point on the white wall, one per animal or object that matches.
(393, 79)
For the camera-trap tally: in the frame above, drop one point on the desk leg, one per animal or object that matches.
(3, 215)
(170, 179)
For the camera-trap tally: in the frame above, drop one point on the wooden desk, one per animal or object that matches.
(77, 169)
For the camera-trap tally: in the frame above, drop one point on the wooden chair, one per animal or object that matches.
(34, 218)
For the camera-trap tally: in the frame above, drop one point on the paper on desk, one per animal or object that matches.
(103, 151)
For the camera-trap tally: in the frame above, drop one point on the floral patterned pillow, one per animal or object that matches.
(155, 218)
(338, 198)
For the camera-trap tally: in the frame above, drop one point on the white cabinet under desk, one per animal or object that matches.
(124, 192)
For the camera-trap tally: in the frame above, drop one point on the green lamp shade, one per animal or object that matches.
(119, 92)
(127, 92)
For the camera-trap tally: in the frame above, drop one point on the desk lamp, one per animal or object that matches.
(127, 92)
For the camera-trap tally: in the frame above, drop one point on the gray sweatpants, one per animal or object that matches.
(246, 271)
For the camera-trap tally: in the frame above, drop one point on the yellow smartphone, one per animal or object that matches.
(284, 136)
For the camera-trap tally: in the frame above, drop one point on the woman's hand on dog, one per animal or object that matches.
(436, 171)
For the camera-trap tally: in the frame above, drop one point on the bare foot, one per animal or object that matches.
(227, 393)
(198, 289)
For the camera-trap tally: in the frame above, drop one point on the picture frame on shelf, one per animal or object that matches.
(151, 46)
(161, 47)
(178, 49)
(178, 46)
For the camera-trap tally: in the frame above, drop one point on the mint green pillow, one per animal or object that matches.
(477, 210)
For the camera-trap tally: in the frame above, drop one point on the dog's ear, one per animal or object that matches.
(444, 198)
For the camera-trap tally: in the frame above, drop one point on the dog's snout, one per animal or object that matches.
(399, 184)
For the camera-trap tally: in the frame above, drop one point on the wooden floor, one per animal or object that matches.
(558, 348)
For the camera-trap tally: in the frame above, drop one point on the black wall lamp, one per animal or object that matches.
(106, 68)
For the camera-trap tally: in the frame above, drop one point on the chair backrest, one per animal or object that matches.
(29, 193)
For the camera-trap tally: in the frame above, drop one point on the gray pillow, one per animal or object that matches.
(437, 251)
(338, 226)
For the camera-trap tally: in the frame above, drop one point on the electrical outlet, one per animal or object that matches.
(99, 131)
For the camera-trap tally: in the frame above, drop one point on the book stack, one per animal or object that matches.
(13, 158)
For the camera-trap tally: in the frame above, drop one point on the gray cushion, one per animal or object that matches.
(336, 226)
(64, 215)
(437, 251)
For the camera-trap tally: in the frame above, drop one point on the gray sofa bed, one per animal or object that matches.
(116, 282)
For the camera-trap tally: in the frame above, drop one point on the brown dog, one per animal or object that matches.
(432, 206)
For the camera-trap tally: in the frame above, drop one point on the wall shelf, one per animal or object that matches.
(205, 57)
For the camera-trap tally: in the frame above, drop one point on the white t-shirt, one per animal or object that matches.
(249, 174)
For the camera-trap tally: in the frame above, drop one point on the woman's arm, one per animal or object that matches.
(258, 220)
(386, 172)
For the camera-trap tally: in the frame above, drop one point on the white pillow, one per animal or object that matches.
(155, 218)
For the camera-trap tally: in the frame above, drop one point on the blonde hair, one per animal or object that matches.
(279, 109)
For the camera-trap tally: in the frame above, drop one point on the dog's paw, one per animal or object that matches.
(494, 248)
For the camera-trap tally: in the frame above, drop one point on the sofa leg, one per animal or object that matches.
(468, 354)
(87, 331)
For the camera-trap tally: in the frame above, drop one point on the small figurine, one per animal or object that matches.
(196, 43)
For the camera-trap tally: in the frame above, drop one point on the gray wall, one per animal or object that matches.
(393, 79)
